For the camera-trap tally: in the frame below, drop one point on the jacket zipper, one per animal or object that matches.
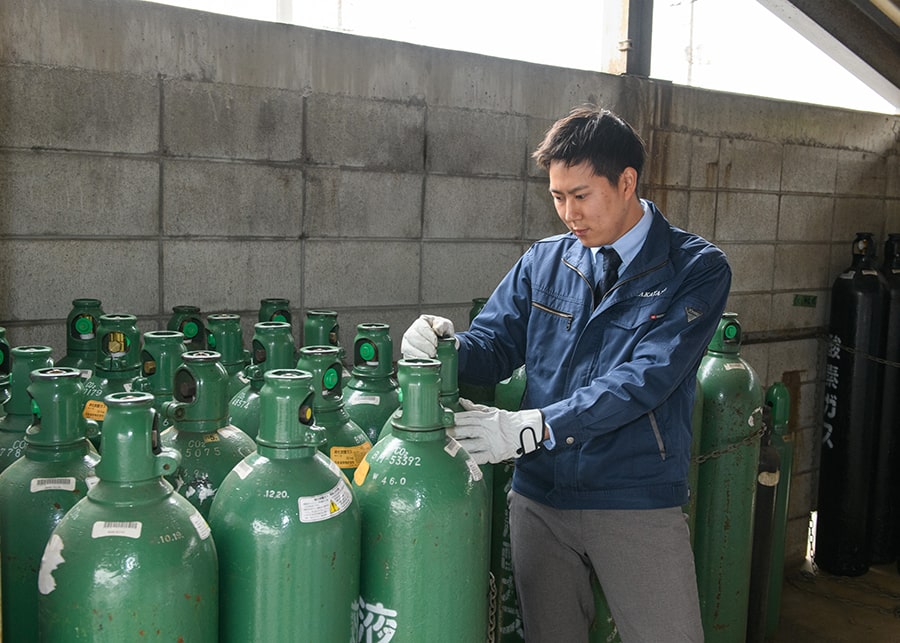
(615, 285)
(586, 280)
(656, 433)
(558, 313)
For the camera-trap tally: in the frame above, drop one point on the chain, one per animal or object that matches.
(832, 340)
(807, 581)
(748, 440)
(492, 608)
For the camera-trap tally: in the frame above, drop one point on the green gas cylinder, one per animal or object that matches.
(478, 393)
(273, 348)
(160, 356)
(345, 442)
(38, 489)
(372, 391)
(225, 336)
(726, 487)
(425, 524)
(200, 432)
(273, 345)
(188, 321)
(508, 393)
(449, 358)
(275, 309)
(19, 413)
(133, 559)
(321, 328)
(779, 398)
(243, 408)
(117, 364)
(287, 529)
(81, 335)
(446, 354)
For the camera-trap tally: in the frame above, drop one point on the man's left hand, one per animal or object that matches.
(490, 434)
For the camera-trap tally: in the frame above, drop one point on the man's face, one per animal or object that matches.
(595, 210)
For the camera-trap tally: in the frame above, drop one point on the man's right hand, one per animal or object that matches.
(421, 338)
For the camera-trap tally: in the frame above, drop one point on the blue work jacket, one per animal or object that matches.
(615, 381)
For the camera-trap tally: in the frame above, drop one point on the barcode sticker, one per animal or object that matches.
(475, 471)
(374, 400)
(200, 525)
(125, 529)
(52, 484)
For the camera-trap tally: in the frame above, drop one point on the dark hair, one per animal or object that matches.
(596, 135)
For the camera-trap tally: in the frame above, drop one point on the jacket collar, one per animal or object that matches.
(654, 252)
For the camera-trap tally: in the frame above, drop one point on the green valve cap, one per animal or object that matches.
(330, 379)
(190, 329)
(367, 352)
(731, 331)
(84, 325)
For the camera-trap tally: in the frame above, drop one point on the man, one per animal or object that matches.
(602, 450)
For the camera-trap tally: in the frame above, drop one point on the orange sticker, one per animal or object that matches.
(94, 410)
(359, 476)
(349, 457)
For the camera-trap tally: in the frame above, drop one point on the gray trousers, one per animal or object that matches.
(642, 558)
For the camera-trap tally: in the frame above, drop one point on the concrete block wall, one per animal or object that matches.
(152, 156)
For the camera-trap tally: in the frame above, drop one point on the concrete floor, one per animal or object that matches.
(822, 608)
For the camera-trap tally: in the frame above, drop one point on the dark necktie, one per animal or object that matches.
(611, 263)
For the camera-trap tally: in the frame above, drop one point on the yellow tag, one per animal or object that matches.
(211, 437)
(94, 410)
(349, 457)
(359, 476)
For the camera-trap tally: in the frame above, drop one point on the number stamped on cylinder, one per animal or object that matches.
(401, 458)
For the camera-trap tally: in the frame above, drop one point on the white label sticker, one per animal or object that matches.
(125, 529)
(91, 481)
(474, 470)
(731, 366)
(227, 432)
(52, 484)
(452, 447)
(326, 505)
(374, 400)
(243, 470)
(200, 525)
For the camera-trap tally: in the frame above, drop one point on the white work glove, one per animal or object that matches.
(493, 435)
(421, 339)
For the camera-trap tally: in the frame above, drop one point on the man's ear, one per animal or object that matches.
(628, 182)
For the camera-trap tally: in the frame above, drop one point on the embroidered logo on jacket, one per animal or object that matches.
(652, 293)
(692, 313)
